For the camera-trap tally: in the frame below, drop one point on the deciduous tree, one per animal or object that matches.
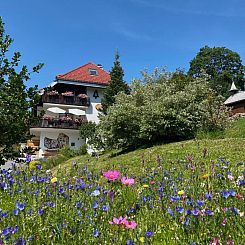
(222, 65)
(16, 100)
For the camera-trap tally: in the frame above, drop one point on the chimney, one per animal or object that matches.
(100, 66)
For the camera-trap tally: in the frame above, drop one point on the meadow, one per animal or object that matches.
(189, 192)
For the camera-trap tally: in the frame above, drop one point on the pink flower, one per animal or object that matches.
(215, 241)
(152, 182)
(118, 221)
(130, 224)
(127, 181)
(229, 242)
(111, 175)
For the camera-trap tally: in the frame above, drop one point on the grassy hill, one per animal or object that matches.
(229, 145)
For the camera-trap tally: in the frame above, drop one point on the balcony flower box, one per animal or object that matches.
(82, 96)
(52, 93)
(68, 94)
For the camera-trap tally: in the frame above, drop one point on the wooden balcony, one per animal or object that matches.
(66, 100)
(58, 123)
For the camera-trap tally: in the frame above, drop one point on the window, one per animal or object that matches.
(93, 72)
(72, 144)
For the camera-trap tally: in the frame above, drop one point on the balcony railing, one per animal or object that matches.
(58, 123)
(67, 100)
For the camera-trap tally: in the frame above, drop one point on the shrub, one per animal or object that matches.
(162, 106)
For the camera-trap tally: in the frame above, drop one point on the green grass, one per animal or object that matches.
(229, 145)
(202, 151)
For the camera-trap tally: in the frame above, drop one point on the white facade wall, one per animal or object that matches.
(91, 112)
(74, 137)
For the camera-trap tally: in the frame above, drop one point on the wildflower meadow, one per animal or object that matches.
(172, 203)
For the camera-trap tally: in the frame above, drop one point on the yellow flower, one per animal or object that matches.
(145, 186)
(181, 192)
(54, 180)
(142, 239)
(205, 176)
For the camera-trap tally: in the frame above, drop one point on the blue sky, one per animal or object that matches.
(148, 33)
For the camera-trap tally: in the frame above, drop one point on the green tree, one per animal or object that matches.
(16, 100)
(222, 65)
(116, 85)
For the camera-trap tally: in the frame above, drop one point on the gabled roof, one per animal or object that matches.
(82, 74)
(239, 96)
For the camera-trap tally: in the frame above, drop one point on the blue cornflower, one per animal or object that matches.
(234, 210)
(149, 233)
(130, 242)
(225, 194)
(15, 212)
(78, 204)
(21, 241)
(174, 198)
(200, 202)
(61, 189)
(40, 211)
(96, 233)
(95, 205)
(208, 196)
(95, 193)
(179, 209)
(195, 212)
(209, 212)
(186, 221)
(5, 231)
(105, 208)
(169, 210)
(20, 206)
(232, 193)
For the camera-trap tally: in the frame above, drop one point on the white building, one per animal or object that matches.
(72, 100)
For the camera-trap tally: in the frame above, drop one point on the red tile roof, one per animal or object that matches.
(82, 74)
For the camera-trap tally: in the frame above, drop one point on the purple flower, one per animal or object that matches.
(195, 212)
(129, 242)
(209, 212)
(78, 204)
(39, 167)
(179, 209)
(225, 194)
(95, 205)
(96, 233)
(200, 202)
(15, 212)
(95, 193)
(5, 231)
(149, 233)
(208, 196)
(169, 210)
(174, 198)
(232, 193)
(105, 208)
(21, 241)
(20, 206)
(40, 211)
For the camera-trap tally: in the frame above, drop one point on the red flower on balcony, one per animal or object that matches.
(82, 96)
(52, 93)
(68, 94)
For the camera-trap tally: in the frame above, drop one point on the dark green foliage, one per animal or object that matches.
(115, 86)
(222, 65)
(16, 100)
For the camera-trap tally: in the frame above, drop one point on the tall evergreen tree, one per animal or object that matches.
(16, 100)
(116, 85)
